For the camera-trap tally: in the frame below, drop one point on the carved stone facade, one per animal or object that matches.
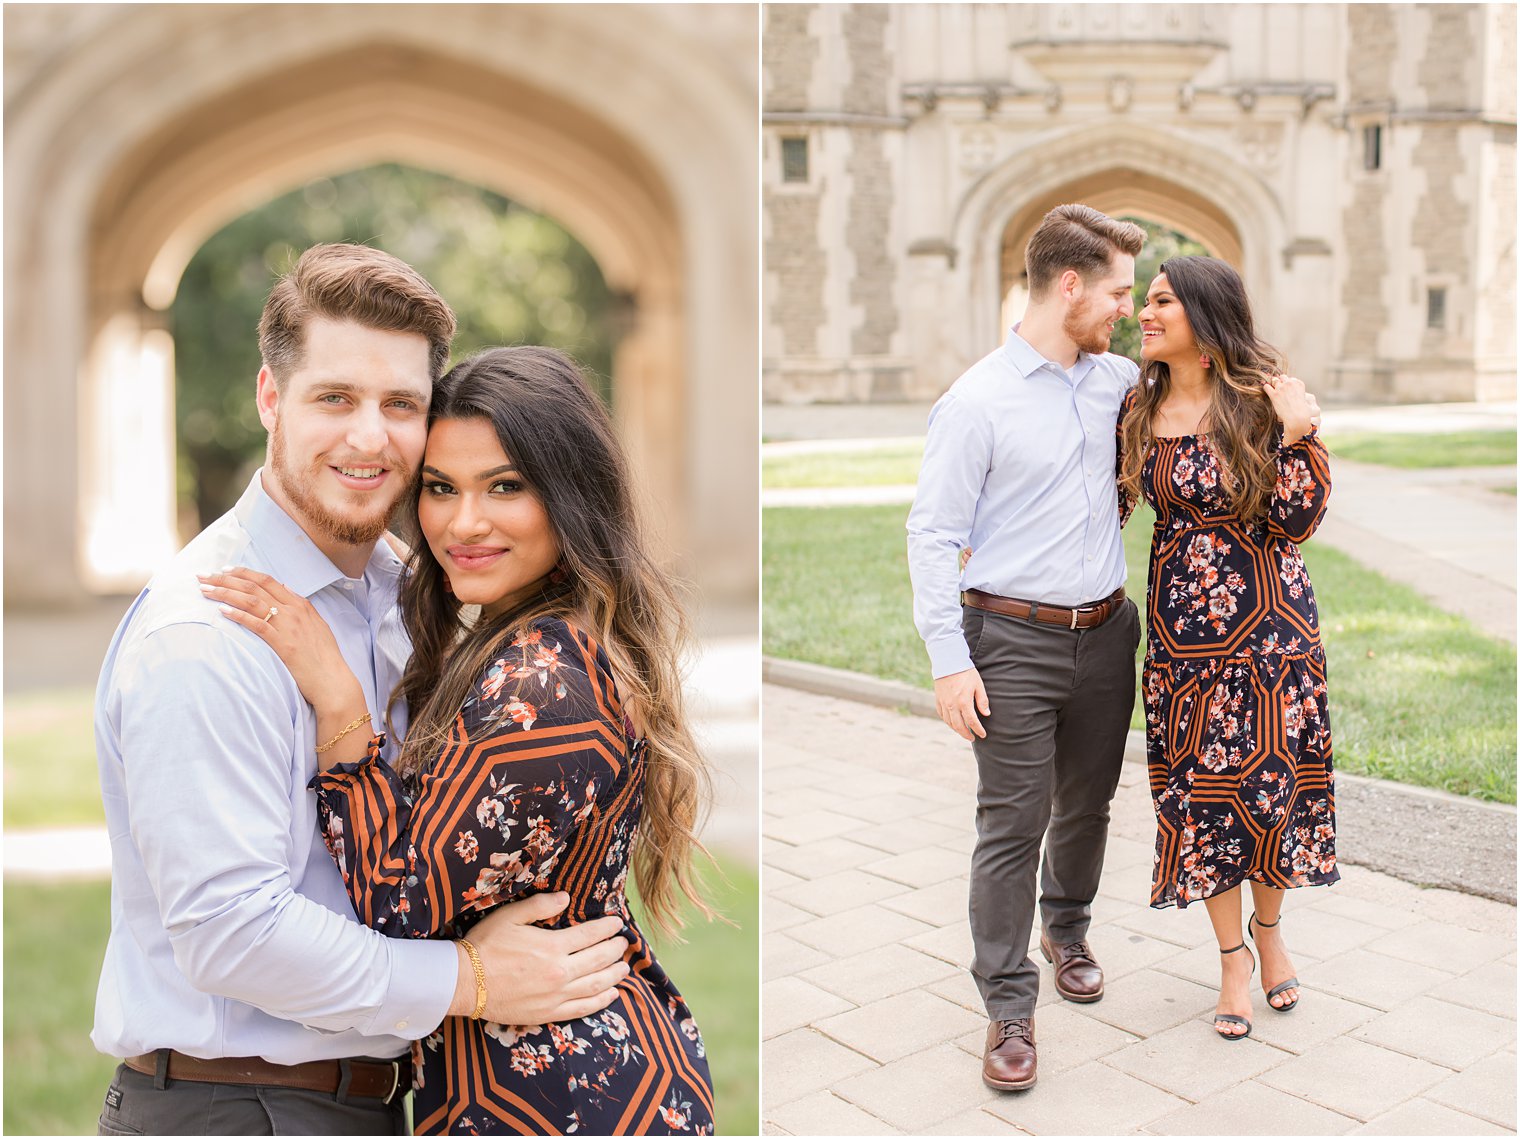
(871, 184)
(838, 220)
(134, 132)
(791, 208)
(1355, 161)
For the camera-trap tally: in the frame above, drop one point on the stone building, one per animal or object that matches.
(1355, 161)
(134, 132)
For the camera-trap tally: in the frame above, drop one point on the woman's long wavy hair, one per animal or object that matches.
(1240, 422)
(561, 441)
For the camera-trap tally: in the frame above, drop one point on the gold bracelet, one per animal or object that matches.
(328, 745)
(480, 979)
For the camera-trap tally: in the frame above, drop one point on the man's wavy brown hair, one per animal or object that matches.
(344, 281)
(1077, 237)
(1240, 423)
(561, 441)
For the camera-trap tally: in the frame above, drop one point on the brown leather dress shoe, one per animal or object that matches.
(1079, 977)
(1008, 1064)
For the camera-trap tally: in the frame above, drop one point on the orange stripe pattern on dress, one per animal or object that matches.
(538, 788)
(1236, 703)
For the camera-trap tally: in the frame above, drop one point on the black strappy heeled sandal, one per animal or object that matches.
(1290, 983)
(1231, 1018)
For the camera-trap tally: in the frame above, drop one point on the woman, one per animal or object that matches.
(547, 750)
(1221, 444)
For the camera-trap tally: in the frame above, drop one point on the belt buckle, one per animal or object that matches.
(395, 1081)
(1074, 613)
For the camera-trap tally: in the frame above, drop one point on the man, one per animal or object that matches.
(1036, 666)
(237, 983)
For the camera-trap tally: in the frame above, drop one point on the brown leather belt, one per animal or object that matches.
(1083, 617)
(379, 1079)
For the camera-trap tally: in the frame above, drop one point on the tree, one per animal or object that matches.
(1161, 244)
(512, 277)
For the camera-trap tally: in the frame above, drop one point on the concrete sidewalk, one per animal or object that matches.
(1416, 834)
(873, 1026)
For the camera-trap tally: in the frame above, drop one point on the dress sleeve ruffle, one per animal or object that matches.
(1303, 488)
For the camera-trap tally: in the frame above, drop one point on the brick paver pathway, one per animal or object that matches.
(872, 1025)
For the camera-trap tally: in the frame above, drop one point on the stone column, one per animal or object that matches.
(126, 470)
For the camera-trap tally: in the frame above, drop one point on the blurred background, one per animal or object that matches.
(580, 176)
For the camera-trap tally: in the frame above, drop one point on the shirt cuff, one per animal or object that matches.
(424, 973)
(949, 655)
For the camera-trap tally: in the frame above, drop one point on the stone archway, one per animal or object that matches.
(133, 132)
(368, 104)
(1113, 167)
(1116, 192)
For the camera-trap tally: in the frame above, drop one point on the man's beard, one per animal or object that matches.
(351, 530)
(1087, 336)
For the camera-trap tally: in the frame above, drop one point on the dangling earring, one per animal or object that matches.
(558, 575)
(1204, 361)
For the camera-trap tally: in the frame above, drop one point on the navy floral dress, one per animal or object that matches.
(537, 789)
(1236, 714)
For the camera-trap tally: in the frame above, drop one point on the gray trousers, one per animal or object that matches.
(1047, 770)
(137, 1104)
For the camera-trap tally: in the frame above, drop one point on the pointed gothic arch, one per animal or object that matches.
(149, 127)
(366, 104)
(1116, 168)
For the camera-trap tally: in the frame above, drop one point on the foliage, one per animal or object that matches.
(1449, 449)
(512, 277)
(1161, 244)
(1416, 694)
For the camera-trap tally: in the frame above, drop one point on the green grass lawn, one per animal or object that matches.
(50, 775)
(55, 936)
(891, 465)
(55, 939)
(1416, 694)
(1451, 449)
(717, 970)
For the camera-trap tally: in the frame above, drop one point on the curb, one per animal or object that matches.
(857, 686)
(1417, 834)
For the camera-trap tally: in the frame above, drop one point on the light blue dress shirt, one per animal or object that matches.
(1019, 466)
(231, 933)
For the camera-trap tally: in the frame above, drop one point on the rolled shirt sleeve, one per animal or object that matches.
(209, 771)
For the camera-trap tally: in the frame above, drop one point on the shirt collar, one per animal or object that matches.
(297, 561)
(1027, 359)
